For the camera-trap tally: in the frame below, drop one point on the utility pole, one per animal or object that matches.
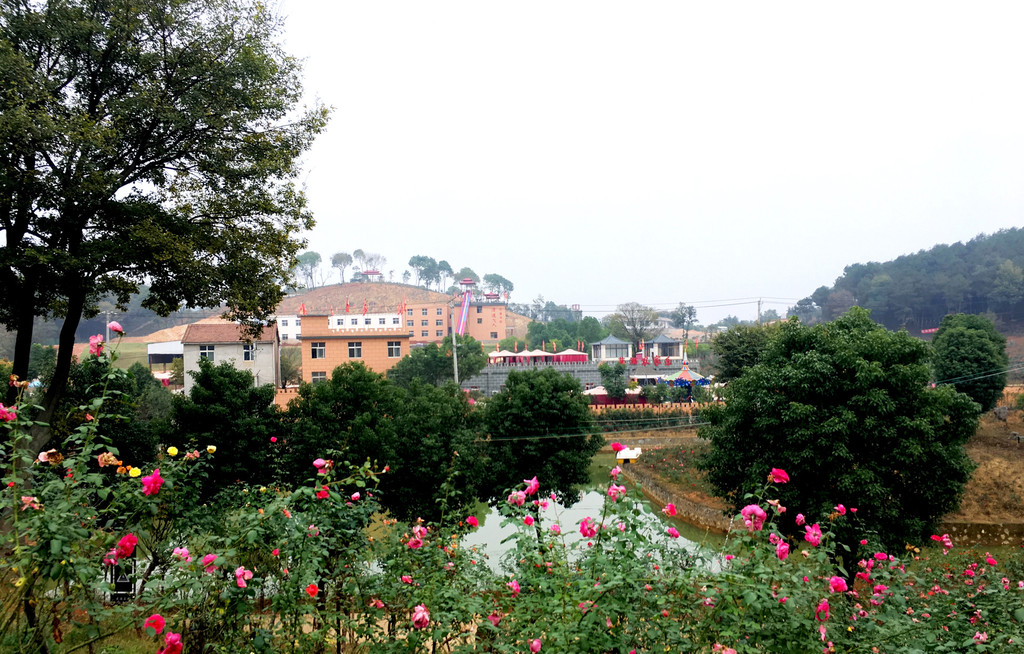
(758, 312)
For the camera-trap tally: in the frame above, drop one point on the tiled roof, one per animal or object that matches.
(223, 332)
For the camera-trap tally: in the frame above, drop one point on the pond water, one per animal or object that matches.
(490, 534)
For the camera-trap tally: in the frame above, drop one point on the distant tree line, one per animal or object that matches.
(984, 275)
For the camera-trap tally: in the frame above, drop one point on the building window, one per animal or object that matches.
(340, 322)
(439, 333)
(479, 309)
(494, 334)
(284, 323)
(298, 322)
(396, 321)
(248, 352)
(424, 312)
(479, 321)
(412, 332)
(355, 350)
(367, 321)
(318, 350)
(206, 352)
(424, 333)
(394, 349)
(440, 311)
(382, 321)
(439, 322)
(318, 377)
(424, 323)
(353, 321)
(408, 312)
(284, 337)
(410, 323)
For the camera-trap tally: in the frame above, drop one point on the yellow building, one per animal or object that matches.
(377, 340)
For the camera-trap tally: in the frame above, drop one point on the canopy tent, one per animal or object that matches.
(685, 377)
(598, 396)
(571, 356)
(501, 356)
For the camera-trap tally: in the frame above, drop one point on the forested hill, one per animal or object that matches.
(915, 291)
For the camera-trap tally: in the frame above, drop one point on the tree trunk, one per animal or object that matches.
(23, 340)
(61, 371)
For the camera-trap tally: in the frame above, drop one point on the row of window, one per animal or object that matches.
(423, 312)
(318, 349)
(354, 321)
(248, 352)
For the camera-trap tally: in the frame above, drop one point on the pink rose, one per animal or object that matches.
(813, 535)
(528, 521)
(472, 521)
(669, 510)
(172, 644)
(837, 585)
(778, 476)
(406, 579)
(208, 562)
(753, 517)
(415, 543)
(617, 447)
(151, 484)
(420, 617)
(587, 528)
(535, 645)
(782, 550)
(156, 622)
(673, 532)
(96, 344)
(532, 485)
(116, 327)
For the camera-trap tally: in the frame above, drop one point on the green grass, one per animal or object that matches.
(129, 353)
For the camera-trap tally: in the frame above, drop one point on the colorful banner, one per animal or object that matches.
(463, 314)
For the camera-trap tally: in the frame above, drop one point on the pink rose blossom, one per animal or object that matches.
(208, 562)
(587, 528)
(782, 550)
(116, 327)
(615, 492)
(535, 645)
(172, 644)
(96, 344)
(518, 498)
(837, 585)
(673, 532)
(156, 622)
(615, 472)
(415, 543)
(151, 484)
(821, 614)
(617, 447)
(528, 521)
(778, 476)
(753, 517)
(514, 585)
(800, 519)
(420, 617)
(532, 485)
(355, 497)
(406, 579)
(840, 509)
(472, 521)
(669, 510)
(813, 535)
(181, 553)
(241, 576)
(556, 529)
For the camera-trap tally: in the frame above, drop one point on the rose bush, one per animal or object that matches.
(318, 567)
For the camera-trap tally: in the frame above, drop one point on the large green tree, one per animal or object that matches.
(226, 410)
(432, 363)
(145, 141)
(634, 322)
(358, 415)
(541, 424)
(739, 348)
(846, 409)
(971, 355)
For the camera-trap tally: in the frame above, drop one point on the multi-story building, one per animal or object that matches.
(378, 340)
(427, 317)
(226, 341)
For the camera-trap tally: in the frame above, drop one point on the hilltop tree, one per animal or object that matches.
(466, 272)
(146, 141)
(341, 261)
(445, 272)
(739, 348)
(971, 355)
(846, 410)
(426, 269)
(497, 284)
(307, 264)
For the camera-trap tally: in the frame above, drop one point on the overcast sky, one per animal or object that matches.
(605, 152)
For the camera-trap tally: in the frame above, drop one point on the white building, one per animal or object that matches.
(226, 341)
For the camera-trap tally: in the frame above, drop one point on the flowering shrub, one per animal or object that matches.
(312, 567)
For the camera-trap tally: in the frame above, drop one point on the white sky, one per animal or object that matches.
(605, 152)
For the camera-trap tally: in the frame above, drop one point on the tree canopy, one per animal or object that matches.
(541, 424)
(432, 363)
(634, 322)
(846, 409)
(150, 141)
(739, 348)
(971, 355)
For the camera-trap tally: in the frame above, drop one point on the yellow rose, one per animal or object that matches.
(173, 451)
(210, 449)
(134, 472)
